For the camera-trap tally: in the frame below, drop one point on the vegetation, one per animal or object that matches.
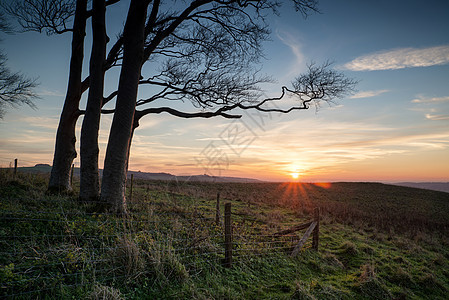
(170, 247)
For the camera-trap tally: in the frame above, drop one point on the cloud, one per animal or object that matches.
(437, 117)
(43, 122)
(430, 100)
(45, 92)
(336, 143)
(368, 94)
(400, 58)
(295, 46)
(434, 107)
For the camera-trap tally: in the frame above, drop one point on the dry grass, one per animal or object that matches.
(101, 292)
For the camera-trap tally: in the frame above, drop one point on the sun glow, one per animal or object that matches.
(295, 175)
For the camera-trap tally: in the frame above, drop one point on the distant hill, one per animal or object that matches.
(45, 168)
(204, 178)
(435, 186)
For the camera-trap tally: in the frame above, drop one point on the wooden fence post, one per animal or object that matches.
(15, 168)
(303, 240)
(316, 231)
(217, 213)
(71, 175)
(228, 236)
(131, 188)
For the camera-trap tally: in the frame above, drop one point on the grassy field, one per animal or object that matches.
(377, 242)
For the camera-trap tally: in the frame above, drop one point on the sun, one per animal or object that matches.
(295, 175)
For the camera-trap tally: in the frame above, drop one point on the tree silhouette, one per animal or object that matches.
(203, 52)
(206, 53)
(15, 88)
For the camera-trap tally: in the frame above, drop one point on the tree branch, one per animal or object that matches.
(157, 110)
(50, 16)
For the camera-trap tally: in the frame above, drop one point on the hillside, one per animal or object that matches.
(170, 246)
(45, 168)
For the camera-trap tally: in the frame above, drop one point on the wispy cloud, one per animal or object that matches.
(430, 100)
(45, 92)
(435, 108)
(43, 122)
(400, 58)
(295, 46)
(437, 117)
(327, 145)
(368, 94)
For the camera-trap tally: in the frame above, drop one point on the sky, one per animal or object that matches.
(393, 128)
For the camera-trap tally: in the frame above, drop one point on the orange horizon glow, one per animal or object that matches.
(296, 194)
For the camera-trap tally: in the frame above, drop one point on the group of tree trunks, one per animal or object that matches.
(204, 52)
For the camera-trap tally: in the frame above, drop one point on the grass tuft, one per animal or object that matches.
(302, 293)
(101, 292)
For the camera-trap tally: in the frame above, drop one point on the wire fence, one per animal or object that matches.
(50, 243)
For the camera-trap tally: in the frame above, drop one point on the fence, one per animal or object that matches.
(50, 243)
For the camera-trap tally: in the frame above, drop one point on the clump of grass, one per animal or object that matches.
(369, 285)
(400, 277)
(367, 249)
(329, 292)
(349, 248)
(127, 257)
(165, 265)
(439, 260)
(101, 292)
(373, 289)
(367, 273)
(302, 293)
(429, 281)
(333, 261)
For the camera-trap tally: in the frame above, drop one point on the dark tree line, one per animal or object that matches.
(202, 52)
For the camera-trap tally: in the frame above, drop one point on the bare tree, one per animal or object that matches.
(15, 88)
(57, 17)
(47, 16)
(89, 150)
(119, 138)
(206, 54)
(203, 52)
(53, 17)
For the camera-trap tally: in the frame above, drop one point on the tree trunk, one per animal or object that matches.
(90, 178)
(115, 164)
(65, 151)
(136, 124)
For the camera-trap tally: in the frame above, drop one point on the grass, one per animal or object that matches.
(171, 248)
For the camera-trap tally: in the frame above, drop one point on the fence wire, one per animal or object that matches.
(54, 243)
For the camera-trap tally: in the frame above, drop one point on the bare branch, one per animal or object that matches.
(15, 89)
(158, 110)
(4, 26)
(188, 115)
(50, 16)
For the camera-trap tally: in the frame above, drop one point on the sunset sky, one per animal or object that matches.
(395, 127)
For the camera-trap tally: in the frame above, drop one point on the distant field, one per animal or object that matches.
(376, 204)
